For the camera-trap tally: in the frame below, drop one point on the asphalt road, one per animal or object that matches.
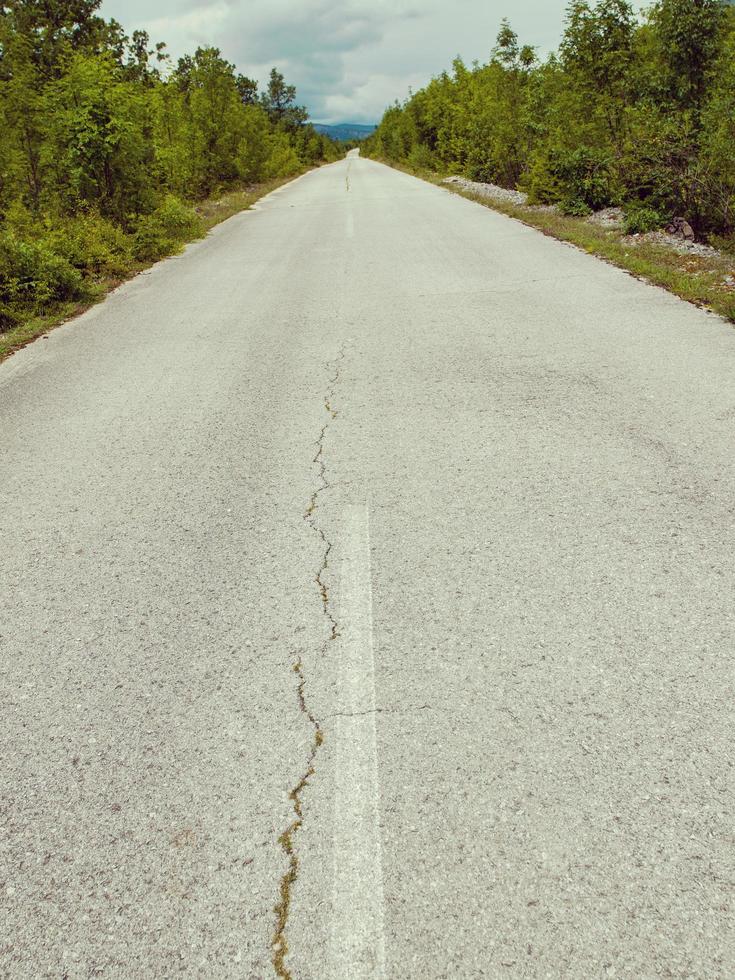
(367, 609)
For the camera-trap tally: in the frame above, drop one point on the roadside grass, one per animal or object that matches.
(211, 211)
(214, 210)
(698, 279)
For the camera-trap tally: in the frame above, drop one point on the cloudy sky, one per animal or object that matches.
(350, 59)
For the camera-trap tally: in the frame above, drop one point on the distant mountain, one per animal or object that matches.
(345, 131)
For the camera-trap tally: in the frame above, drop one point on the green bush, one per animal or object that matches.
(92, 243)
(32, 278)
(164, 231)
(725, 243)
(573, 178)
(641, 218)
(9, 317)
(541, 183)
(575, 207)
(282, 159)
(421, 158)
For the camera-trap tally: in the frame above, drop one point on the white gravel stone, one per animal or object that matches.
(674, 243)
(611, 218)
(489, 190)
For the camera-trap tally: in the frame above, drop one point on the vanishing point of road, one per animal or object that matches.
(367, 609)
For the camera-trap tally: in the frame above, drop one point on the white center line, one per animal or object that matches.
(357, 946)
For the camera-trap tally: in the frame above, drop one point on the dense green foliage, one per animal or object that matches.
(638, 113)
(105, 145)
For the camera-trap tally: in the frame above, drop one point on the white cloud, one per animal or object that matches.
(348, 61)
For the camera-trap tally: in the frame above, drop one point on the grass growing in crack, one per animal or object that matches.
(324, 591)
(288, 837)
(286, 840)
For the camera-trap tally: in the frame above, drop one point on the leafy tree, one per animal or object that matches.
(142, 60)
(248, 90)
(632, 110)
(688, 35)
(279, 101)
(50, 28)
(102, 152)
(97, 151)
(717, 161)
(215, 119)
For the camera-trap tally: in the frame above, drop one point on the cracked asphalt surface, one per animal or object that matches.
(545, 449)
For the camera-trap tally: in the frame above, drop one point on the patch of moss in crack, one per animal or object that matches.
(287, 840)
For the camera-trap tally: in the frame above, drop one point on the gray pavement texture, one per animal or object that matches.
(529, 455)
